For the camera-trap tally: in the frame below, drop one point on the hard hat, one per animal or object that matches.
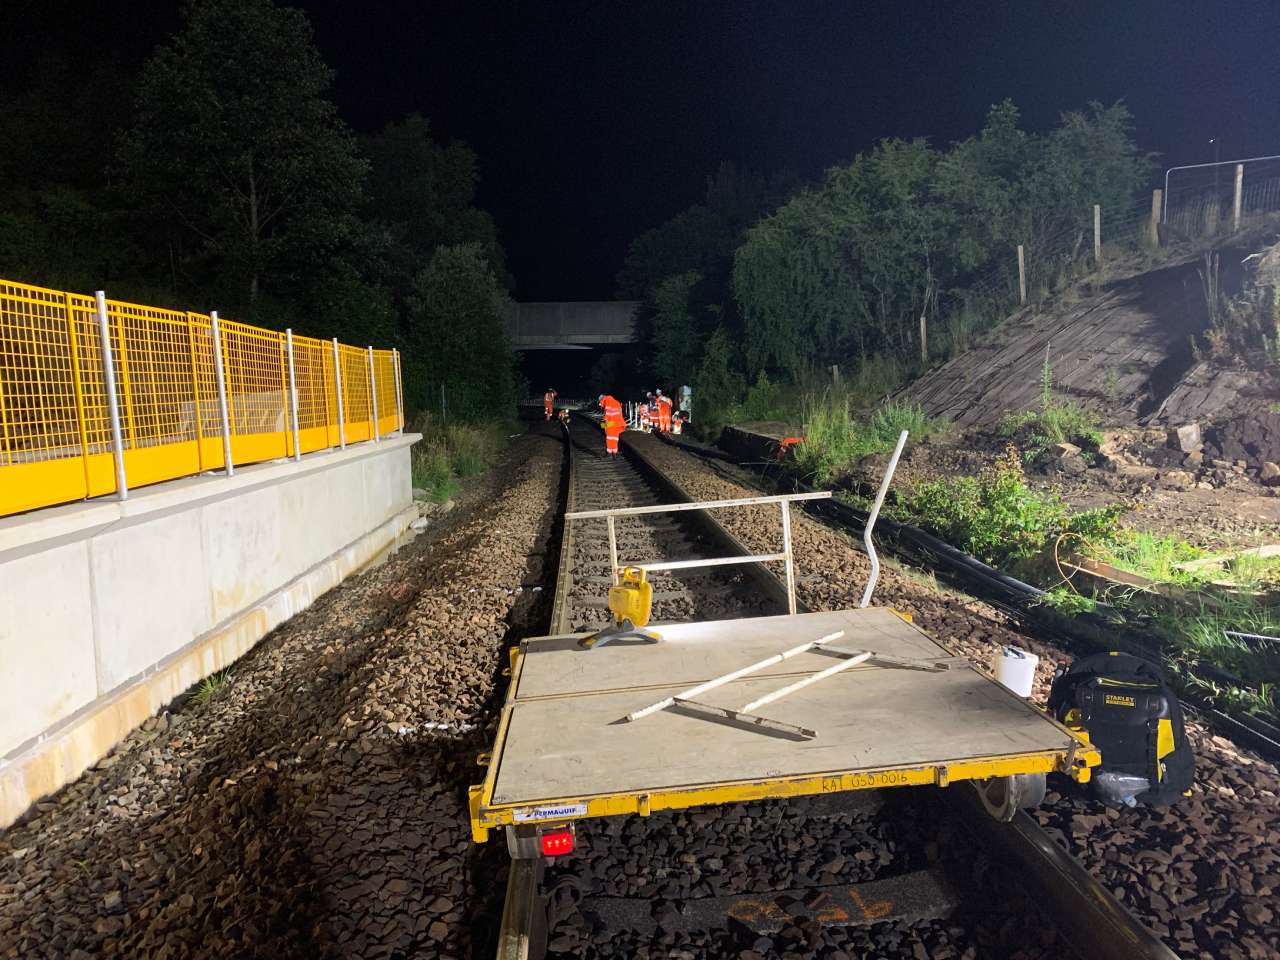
(600, 399)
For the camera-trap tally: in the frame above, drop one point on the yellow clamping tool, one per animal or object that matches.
(630, 602)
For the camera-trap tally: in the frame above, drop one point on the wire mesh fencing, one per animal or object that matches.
(1197, 210)
(192, 393)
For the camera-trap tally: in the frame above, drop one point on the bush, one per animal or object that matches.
(718, 387)
(997, 518)
(765, 400)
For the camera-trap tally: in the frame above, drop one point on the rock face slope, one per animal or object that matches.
(1123, 351)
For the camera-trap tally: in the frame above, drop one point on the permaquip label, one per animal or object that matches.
(553, 812)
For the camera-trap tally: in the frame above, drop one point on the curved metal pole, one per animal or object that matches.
(871, 521)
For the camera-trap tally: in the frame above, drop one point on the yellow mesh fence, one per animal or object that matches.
(357, 401)
(385, 377)
(55, 417)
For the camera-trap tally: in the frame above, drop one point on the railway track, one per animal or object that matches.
(883, 872)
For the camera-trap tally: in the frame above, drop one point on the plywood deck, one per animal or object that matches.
(563, 738)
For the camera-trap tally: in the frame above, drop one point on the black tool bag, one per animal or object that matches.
(1131, 715)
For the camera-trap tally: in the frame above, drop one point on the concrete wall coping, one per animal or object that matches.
(38, 527)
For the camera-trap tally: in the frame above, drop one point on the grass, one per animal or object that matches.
(835, 438)
(1148, 555)
(1202, 637)
(451, 452)
(1255, 573)
(204, 691)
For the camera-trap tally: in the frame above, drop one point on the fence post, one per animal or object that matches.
(1022, 275)
(1097, 234)
(337, 386)
(835, 375)
(293, 393)
(444, 406)
(222, 393)
(1235, 210)
(1157, 207)
(195, 391)
(373, 398)
(77, 382)
(395, 362)
(113, 401)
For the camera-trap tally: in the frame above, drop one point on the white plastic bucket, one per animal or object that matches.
(1016, 669)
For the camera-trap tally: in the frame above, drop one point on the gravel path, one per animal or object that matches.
(1205, 873)
(316, 806)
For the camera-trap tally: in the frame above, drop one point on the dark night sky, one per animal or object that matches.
(597, 120)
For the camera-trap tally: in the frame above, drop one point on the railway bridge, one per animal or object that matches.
(570, 325)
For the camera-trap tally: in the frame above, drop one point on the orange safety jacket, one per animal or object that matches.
(612, 411)
(664, 414)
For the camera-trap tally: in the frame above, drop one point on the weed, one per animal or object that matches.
(1111, 386)
(1066, 601)
(210, 685)
(835, 439)
(1057, 421)
(432, 470)
(450, 452)
(1211, 286)
(1254, 573)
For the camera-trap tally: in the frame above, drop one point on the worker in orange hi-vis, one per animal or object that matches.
(642, 414)
(664, 412)
(677, 422)
(564, 415)
(549, 401)
(613, 423)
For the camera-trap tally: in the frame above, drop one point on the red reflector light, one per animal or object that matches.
(557, 843)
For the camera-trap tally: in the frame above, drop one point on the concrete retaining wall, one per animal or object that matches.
(109, 610)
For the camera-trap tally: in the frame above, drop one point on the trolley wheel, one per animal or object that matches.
(1005, 796)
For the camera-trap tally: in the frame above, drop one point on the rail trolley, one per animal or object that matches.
(630, 720)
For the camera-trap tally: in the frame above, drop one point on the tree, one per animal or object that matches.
(703, 237)
(61, 224)
(849, 267)
(457, 336)
(236, 146)
(421, 195)
(718, 385)
(856, 265)
(676, 334)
